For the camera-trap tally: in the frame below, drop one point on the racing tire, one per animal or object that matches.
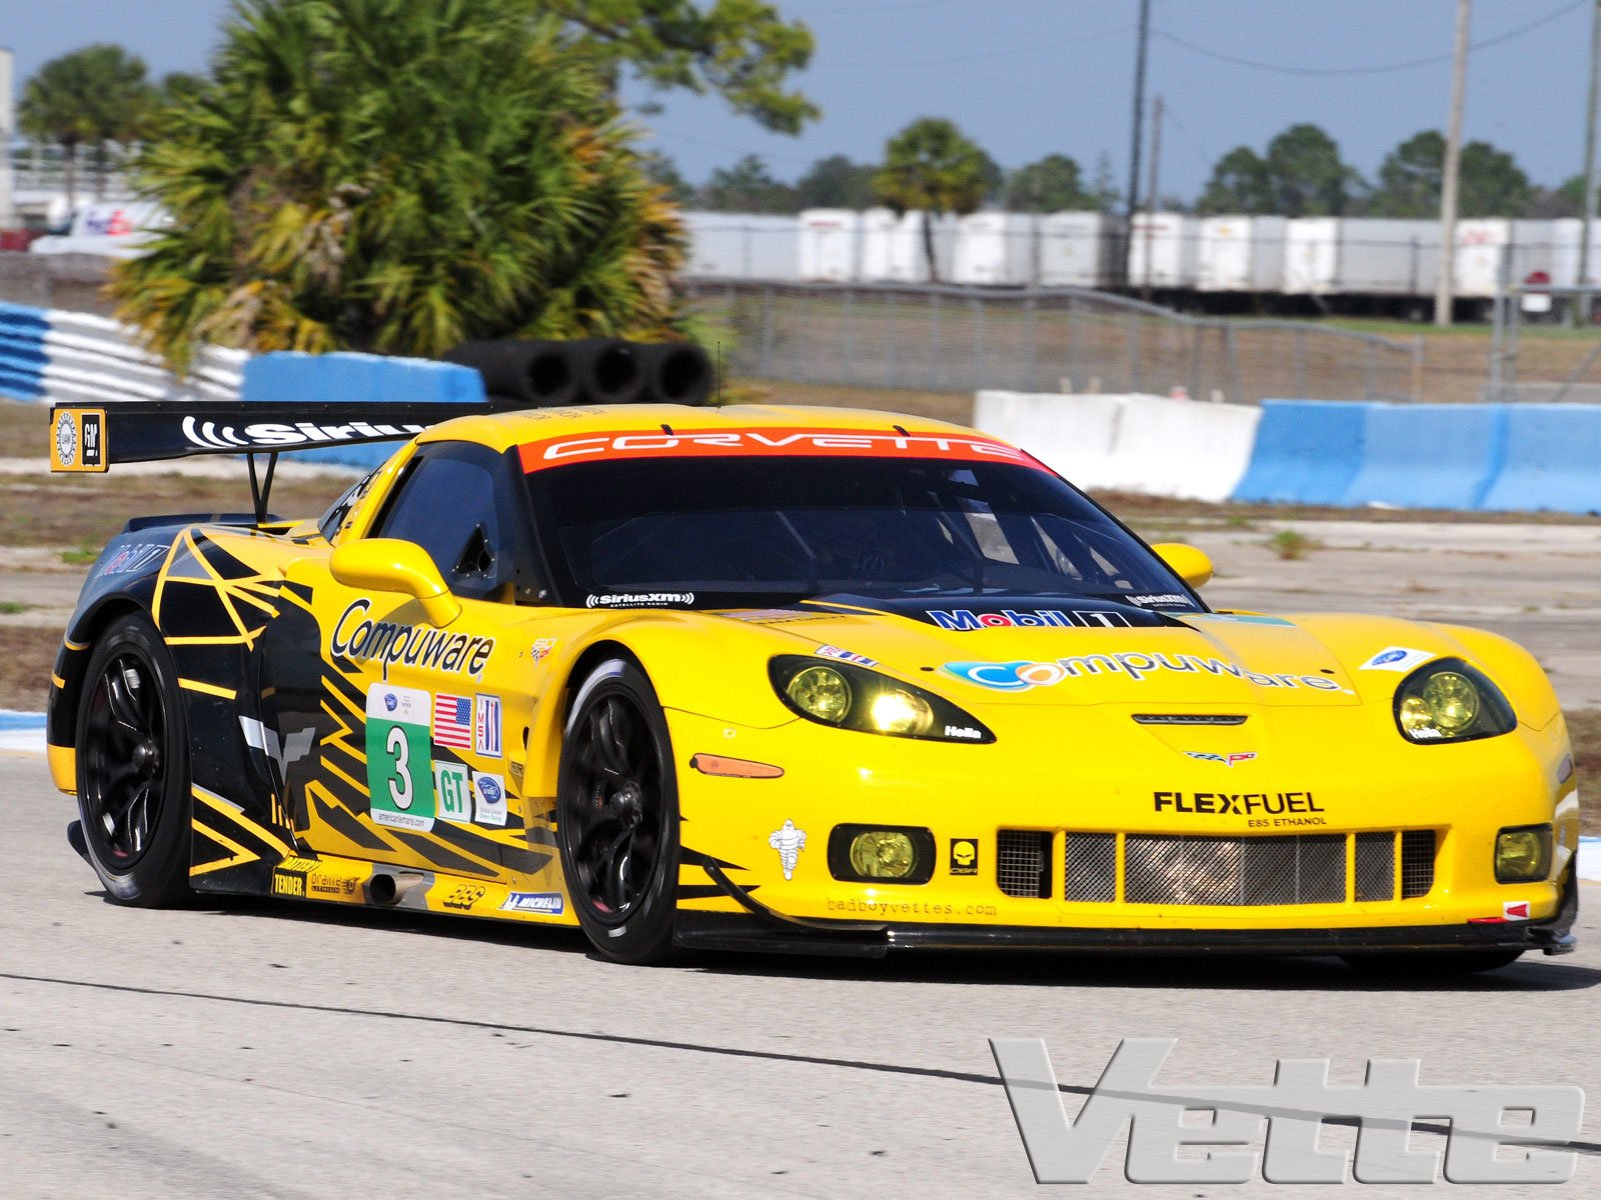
(133, 768)
(1423, 963)
(617, 815)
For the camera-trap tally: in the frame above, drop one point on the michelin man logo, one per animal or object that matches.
(789, 842)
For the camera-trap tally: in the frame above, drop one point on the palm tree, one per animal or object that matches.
(319, 205)
(933, 167)
(89, 97)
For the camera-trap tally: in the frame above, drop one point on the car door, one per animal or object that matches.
(402, 741)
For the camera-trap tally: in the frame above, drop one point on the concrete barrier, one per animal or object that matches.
(1136, 443)
(1073, 435)
(1181, 448)
(1551, 460)
(1306, 452)
(1428, 455)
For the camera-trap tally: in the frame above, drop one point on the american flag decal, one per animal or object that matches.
(486, 726)
(453, 721)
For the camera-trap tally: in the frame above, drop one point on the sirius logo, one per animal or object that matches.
(272, 433)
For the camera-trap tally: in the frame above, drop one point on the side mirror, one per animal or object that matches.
(391, 565)
(1191, 565)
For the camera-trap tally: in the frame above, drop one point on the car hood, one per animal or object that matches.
(1035, 650)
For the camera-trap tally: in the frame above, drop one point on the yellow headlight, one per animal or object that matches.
(883, 854)
(1446, 705)
(1522, 855)
(895, 711)
(1452, 701)
(823, 692)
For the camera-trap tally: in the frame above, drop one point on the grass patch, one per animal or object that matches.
(79, 555)
(11, 608)
(1290, 544)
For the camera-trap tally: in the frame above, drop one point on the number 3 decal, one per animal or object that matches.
(400, 781)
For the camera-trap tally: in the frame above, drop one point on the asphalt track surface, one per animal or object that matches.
(277, 1050)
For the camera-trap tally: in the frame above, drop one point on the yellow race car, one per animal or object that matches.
(780, 679)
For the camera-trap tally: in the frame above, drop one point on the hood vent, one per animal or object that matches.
(1190, 718)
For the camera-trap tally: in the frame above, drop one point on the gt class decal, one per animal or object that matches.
(388, 642)
(400, 778)
(1021, 675)
(781, 442)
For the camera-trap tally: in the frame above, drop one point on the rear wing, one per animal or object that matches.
(93, 439)
(504, 375)
(84, 438)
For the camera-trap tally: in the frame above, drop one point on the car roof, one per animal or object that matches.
(503, 431)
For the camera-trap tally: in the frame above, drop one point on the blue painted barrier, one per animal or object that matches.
(1428, 455)
(1307, 452)
(289, 377)
(1551, 460)
(23, 357)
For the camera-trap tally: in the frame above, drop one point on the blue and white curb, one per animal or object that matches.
(22, 731)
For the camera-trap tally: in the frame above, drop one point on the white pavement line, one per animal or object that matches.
(1590, 859)
(21, 731)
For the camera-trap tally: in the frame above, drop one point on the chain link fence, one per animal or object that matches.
(951, 339)
(1545, 346)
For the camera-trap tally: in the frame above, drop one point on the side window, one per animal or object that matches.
(452, 504)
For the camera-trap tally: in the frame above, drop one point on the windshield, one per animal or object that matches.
(726, 532)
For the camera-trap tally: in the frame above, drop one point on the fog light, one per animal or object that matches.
(883, 854)
(895, 711)
(1523, 855)
(823, 692)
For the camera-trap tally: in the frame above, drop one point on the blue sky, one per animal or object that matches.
(1031, 77)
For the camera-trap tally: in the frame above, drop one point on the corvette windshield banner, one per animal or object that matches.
(770, 443)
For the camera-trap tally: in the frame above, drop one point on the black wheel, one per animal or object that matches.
(1421, 964)
(617, 815)
(133, 767)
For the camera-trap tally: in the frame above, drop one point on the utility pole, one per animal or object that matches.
(7, 216)
(1151, 192)
(1134, 143)
(1446, 290)
(1589, 164)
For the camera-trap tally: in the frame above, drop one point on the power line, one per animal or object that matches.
(1431, 60)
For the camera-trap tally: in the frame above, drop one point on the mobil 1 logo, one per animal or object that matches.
(400, 777)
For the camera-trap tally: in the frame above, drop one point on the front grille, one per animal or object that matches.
(1417, 862)
(1375, 866)
(1023, 863)
(1089, 865)
(1294, 869)
(1194, 869)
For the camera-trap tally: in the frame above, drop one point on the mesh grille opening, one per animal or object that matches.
(1023, 863)
(1375, 866)
(1089, 864)
(1417, 862)
(1185, 869)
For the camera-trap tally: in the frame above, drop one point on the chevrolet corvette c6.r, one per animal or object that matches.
(783, 679)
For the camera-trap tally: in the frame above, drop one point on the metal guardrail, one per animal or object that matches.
(956, 339)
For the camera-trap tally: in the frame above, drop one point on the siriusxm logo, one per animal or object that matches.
(274, 433)
(964, 619)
